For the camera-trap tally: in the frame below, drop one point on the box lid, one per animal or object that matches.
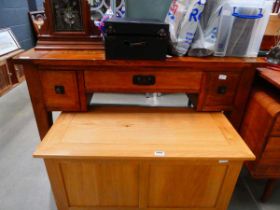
(143, 133)
(128, 26)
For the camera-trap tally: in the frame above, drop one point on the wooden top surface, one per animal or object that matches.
(97, 57)
(272, 76)
(3, 58)
(272, 28)
(136, 133)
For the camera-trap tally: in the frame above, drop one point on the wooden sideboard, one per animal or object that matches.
(63, 80)
(10, 74)
(261, 128)
(116, 158)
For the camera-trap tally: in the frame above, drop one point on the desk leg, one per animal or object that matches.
(270, 185)
(242, 96)
(43, 117)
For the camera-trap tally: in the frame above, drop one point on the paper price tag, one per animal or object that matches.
(222, 77)
(223, 161)
(159, 153)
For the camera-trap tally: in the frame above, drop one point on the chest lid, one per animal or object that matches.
(128, 26)
(143, 133)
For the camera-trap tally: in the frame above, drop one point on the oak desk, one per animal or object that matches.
(62, 80)
(143, 158)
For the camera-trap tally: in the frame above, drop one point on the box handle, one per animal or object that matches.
(243, 16)
(135, 44)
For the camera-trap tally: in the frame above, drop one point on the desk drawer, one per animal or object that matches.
(143, 81)
(221, 89)
(271, 155)
(60, 90)
(276, 129)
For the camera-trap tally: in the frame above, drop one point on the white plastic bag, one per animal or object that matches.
(206, 35)
(183, 18)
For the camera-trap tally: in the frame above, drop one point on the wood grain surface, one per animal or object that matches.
(272, 76)
(105, 159)
(138, 132)
(190, 75)
(260, 130)
(97, 57)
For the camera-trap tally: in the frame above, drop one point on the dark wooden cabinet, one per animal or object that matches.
(276, 128)
(260, 130)
(10, 74)
(5, 80)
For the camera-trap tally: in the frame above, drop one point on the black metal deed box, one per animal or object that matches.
(136, 39)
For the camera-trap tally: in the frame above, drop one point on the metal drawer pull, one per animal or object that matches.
(222, 90)
(135, 44)
(59, 89)
(144, 80)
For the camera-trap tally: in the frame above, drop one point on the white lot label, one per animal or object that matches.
(159, 153)
(223, 161)
(222, 77)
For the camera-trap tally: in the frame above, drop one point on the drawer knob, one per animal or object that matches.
(59, 89)
(144, 80)
(222, 90)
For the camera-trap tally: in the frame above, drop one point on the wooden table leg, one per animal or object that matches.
(270, 185)
(242, 96)
(43, 117)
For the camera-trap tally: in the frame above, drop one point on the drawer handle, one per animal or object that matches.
(59, 89)
(222, 90)
(144, 80)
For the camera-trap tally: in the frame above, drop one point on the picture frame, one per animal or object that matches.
(68, 26)
(8, 42)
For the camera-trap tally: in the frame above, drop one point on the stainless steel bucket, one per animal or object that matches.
(147, 9)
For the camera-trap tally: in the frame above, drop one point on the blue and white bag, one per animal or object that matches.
(207, 30)
(183, 18)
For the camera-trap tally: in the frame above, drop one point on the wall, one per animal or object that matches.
(14, 15)
(39, 4)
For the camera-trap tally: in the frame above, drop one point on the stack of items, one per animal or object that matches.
(245, 24)
(142, 34)
(232, 28)
(196, 28)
